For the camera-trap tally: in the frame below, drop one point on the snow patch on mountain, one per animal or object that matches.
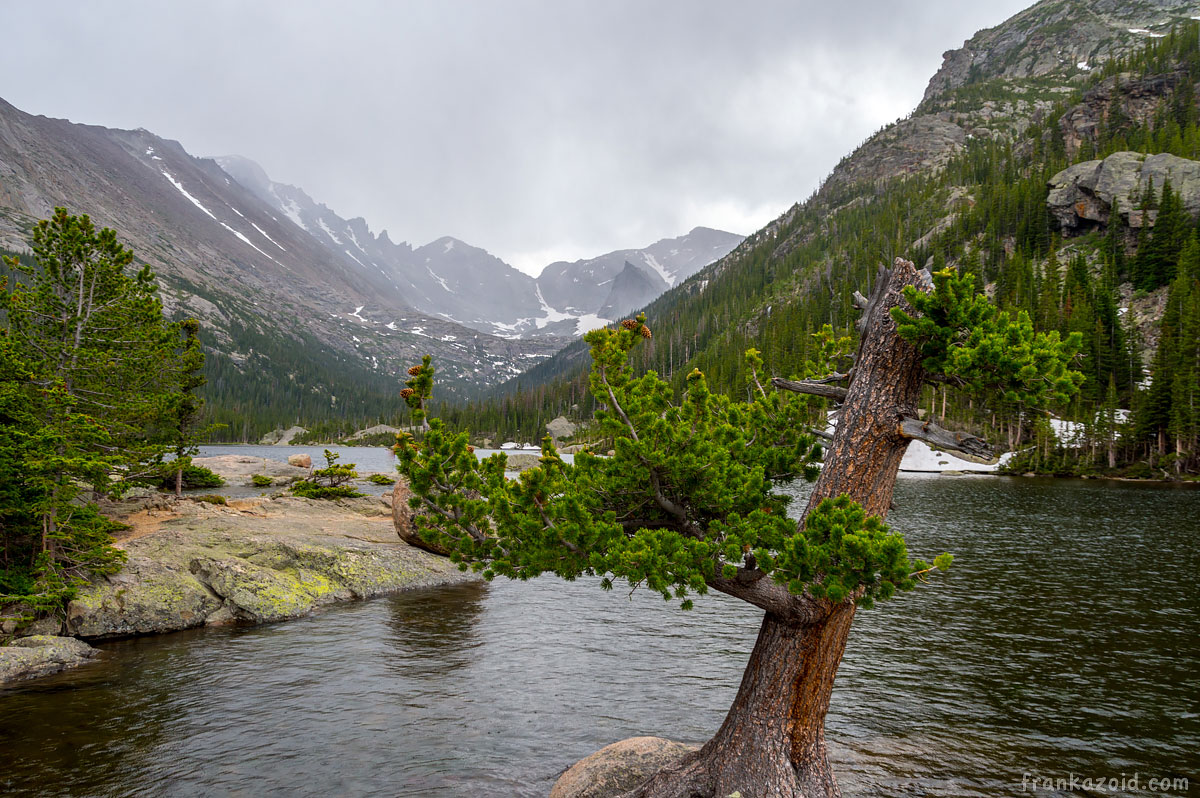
(264, 235)
(438, 277)
(667, 277)
(328, 232)
(292, 211)
(185, 193)
(245, 240)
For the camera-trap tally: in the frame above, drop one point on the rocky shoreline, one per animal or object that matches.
(256, 560)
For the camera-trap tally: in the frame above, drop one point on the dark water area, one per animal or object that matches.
(1065, 640)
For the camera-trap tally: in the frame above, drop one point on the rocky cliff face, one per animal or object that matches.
(1004, 77)
(1081, 196)
(1136, 100)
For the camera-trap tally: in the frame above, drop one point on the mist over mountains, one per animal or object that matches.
(286, 287)
(463, 283)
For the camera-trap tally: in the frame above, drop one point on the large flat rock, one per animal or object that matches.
(237, 469)
(256, 561)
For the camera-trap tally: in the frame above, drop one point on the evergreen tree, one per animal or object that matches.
(685, 505)
(186, 404)
(89, 376)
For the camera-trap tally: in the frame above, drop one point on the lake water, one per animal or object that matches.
(367, 459)
(1066, 639)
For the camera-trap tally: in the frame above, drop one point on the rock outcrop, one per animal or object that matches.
(618, 768)
(41, 655)
(256, 561)
(300, 460)
(911, 145)
(561, 427)
(378, 429)
(1081, 196)
(281, 437)
(1137, 100)
(402, 519)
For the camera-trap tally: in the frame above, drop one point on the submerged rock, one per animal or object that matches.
(41, 655)
(619, 767)
(523, 462)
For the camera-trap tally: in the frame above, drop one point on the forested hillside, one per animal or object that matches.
(1122, 267)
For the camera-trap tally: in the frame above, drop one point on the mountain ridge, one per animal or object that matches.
(466, 284)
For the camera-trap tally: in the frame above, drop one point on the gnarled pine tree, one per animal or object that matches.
(685, 504)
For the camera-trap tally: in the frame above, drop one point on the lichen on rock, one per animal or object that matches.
(256, 561)
(41, 655)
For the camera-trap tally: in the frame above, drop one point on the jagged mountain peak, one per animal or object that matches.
(467, 284)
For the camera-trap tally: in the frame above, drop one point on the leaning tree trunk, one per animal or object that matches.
(772, 742)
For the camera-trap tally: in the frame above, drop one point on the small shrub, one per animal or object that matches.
(381, 479)
(211, 498)
(1139, 470)
(334, 474)
(260, 481)
(328, 482)
(194, 476)
(308, 489)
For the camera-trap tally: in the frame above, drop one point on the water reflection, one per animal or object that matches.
(433, 631)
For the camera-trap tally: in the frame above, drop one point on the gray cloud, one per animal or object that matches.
(536, 130)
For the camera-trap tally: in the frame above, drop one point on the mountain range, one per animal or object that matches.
(321, 312)
(465, 284)
(282, 283)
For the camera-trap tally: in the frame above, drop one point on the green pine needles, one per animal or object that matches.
(686, 500)
(969, 343)
(95, 389)
(329, 482)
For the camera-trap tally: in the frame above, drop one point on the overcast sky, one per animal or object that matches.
(536, 130)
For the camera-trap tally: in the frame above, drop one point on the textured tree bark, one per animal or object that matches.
(772, 743)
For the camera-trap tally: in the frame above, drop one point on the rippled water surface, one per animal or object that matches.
(1065, 640)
